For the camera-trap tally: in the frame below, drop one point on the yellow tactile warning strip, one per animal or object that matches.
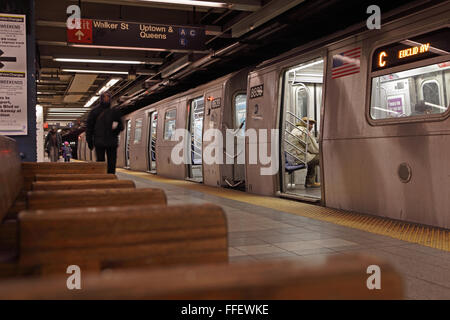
(428, 236)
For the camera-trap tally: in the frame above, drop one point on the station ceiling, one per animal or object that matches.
(239, 33)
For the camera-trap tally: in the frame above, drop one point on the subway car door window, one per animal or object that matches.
(153, 117)
(170, 124)
(420, 87)
(127, 144)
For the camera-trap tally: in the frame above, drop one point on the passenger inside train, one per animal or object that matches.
(303, 148)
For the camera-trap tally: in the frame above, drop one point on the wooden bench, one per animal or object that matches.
(339, 277)
(118, 237)
(38, 200)
(82, 184)
(74, 176)
(11, 179)
(16, 178)
(31, 169)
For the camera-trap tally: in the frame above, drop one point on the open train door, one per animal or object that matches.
(301, 102)
(127, 144)
(196, 114)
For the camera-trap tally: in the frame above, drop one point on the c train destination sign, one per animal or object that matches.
(133, 35)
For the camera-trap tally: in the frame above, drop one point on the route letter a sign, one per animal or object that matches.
(83, 35)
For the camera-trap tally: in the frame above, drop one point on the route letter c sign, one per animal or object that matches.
(83, 35)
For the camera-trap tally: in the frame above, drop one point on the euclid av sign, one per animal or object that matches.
(133, 35)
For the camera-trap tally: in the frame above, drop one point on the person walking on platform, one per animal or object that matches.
(301, 137)
(103, 126)
(52, 144)
(67, 152)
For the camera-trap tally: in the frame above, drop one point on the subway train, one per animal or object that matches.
(380, 101)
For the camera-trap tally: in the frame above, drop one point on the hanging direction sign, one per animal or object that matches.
(13, 74)
(105, 33)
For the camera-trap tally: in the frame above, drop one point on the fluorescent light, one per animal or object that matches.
(307, 65)
(98, 61)
(107, 86)
(91, 101)
(193, 3)
(94, 71)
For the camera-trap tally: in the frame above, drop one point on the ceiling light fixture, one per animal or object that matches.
(91, 101)
(99, 61)
(108, 85)
(193, 3)
(94, 71)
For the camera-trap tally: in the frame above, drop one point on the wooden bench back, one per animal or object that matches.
(31, 169)
(338, 277)
(74, 176)
(10, 174)
(38, 200)
(128, 236)
(81, 184)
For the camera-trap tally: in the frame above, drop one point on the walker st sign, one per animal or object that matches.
(139, 36)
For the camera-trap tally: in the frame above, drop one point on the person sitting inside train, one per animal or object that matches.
(421, 108)
(300, 137)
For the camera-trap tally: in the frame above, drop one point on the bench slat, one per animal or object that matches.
(34, 168)
(94, 198)
(74, 176)
(81, 184)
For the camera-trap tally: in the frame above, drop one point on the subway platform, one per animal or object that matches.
(259, 232)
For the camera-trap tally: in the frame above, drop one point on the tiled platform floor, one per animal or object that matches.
(258, 233)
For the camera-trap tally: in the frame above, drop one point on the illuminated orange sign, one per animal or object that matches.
(381, 56)
(413, 51)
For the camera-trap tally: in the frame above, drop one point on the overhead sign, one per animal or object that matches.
(13, 74)
(105, 33)
(422, 47)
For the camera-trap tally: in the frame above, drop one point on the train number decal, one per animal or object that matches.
(256, 91)
(216, 103)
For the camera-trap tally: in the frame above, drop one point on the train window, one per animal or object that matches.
(170, 124)
(431, 92)
(137, 130)
(240, 111)
(410, 93)
(301, 109)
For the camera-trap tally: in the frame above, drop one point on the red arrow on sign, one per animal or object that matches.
(83, 35)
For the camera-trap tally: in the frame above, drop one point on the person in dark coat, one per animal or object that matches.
(52, 144)
(104, 124)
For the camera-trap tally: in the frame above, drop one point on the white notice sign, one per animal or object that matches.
(13, 74)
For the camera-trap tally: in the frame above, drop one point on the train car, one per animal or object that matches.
(381, 100)
(149, 136)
